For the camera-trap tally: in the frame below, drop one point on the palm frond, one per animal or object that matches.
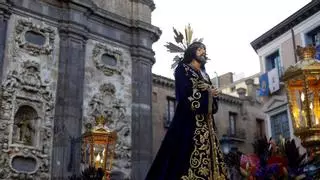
(178, 36)
(188, 34)
(176, 61)
(174, 48)
(295, 159)
(260, 146)
(197, 40)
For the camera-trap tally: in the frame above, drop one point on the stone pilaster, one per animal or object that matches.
(66, 154)
(4, 16)
(142, 61)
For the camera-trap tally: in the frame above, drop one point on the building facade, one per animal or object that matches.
(238, 121)
(63, 63)
(276, 51)
(230, 86)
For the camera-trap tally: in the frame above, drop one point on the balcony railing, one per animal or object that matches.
(238, 134)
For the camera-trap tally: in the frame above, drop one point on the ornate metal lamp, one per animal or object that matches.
(302, 82)
(98, 147)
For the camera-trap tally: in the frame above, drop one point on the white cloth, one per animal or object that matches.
(273, 80)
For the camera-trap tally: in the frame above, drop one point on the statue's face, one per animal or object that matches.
(201, 52)
(201, 55)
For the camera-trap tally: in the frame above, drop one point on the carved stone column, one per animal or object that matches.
(68, 115)
(142, 61)
(4, 16)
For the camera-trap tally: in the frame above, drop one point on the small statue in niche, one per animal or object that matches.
(24, 130)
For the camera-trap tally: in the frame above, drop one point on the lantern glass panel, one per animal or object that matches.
(109, 154)
(313, 99)
(297, 97)
(99, 155)
(87, 149)
(86, 153)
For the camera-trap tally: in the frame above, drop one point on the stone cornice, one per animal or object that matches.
(230, 99)
(143, 54)
(5, 9)
(293, 20)
(90, 13)
(155, 31)
(163, 81)
(149, 3)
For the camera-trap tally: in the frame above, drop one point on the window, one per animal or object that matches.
(312, 36)
(260, 127)
(273, 61)
(171, 107)
(280, 125)
(232, 123)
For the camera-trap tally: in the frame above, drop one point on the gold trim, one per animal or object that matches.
(206, 160)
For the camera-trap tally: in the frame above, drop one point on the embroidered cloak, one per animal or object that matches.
(190, 150)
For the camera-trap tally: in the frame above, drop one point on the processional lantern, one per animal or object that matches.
(302, 81)
(99, 146)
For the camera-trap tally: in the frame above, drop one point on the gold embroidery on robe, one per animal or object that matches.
(206, 160)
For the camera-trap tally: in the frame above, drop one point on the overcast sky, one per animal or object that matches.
(227, 26)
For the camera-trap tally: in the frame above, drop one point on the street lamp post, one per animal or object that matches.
(98, 147)
(302, 82)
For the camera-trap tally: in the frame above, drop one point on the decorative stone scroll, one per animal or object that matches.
(34, 38)
(108, 60)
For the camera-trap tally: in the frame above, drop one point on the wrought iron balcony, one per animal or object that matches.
(238, 135)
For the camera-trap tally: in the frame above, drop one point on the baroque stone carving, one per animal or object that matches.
(105, 102)
(98, 51)
(27, 108)
(98, 105)
(25, 26)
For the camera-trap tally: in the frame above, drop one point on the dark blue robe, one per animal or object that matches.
(190, 149)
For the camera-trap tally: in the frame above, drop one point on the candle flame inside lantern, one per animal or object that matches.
(302, 97)
(98, 158)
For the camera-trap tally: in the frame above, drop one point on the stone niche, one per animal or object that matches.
(27, 99)
(107, 92)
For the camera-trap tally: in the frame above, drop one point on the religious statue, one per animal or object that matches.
(190, 149)
(24, 132)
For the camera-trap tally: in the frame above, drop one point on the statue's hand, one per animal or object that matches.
(203, 86)
(215, 92)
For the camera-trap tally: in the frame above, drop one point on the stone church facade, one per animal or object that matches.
(63, 63)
